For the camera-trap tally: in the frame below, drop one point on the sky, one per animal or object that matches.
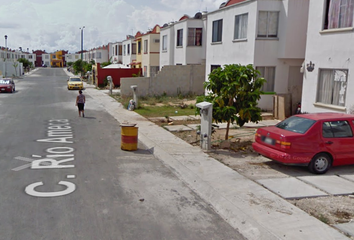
(53, 25)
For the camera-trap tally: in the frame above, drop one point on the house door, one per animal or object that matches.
(295, 86)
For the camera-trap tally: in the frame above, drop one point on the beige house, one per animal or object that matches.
(150, 52)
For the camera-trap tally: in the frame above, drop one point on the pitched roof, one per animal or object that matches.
(185, 16)
(231, 2)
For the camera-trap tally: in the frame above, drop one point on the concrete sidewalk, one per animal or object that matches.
(251, 209)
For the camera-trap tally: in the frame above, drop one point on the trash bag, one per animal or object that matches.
(131, 105)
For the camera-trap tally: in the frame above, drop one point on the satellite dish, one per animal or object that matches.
(222, 5)
(198, 15)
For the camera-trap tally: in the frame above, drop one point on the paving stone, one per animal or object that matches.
(348, 177)
(194, 126)
(347, 228)
(156, 119)
(195, 117)
(177, 128)
(332, 184)
(263, 123)
(181, 118)
(291, 188)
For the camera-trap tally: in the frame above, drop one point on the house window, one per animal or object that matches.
(179, 37)
(125, 49)
(240, 31)
(128, 49)
(145, 46)
(194, 37)
(139, 47)
(268, 73)
(339, 14)
(213, 67)
(217, 31)
(120, 50)
(164, 43)
(268, 24)
(133, 48)
(331, 88)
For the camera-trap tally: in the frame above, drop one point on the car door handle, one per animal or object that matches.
(329, 142)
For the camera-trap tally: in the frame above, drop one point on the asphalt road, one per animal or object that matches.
(65, 177)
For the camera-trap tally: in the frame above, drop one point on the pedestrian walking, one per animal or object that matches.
(80, 103)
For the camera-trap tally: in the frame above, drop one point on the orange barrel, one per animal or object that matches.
(129, 134)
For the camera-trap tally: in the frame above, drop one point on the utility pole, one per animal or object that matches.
(6, 56)
(82, 41)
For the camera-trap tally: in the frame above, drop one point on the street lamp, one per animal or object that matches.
(5, 55)
(82, 40)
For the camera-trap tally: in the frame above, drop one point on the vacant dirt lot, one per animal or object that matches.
(237, 153)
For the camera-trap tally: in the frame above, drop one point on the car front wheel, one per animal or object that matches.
(320, 163)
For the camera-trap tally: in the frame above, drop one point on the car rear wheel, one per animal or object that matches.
(320, 163)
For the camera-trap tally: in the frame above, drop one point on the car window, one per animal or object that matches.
(336, 129)
(75, 79)
(4, 81)
(296, 124)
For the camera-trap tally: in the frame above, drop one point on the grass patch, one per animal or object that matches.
(323, 218)
(160, 106)
(162, 111)
(163, 99)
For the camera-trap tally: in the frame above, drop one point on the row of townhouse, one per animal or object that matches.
(269, 34)
(139, 51)
(302, 48)
(9, 66)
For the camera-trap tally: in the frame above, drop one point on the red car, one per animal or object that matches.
(317, 140)
(7, 85)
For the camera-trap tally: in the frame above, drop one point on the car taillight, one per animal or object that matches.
(284, 145)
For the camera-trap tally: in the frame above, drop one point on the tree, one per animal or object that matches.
(15, 65)
(105, 64)
(234, 92)
(25, 62)
(82, 67)
(78, 66)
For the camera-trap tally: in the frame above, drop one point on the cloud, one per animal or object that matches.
(54, 24)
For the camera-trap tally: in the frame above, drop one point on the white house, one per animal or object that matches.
(46, 59)
(270, 34)
(71, 57)
(99, 54)
(129, 50)
(9, 66)
(29, 56)
(184, 42)
(329, 59)
(115, 54)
